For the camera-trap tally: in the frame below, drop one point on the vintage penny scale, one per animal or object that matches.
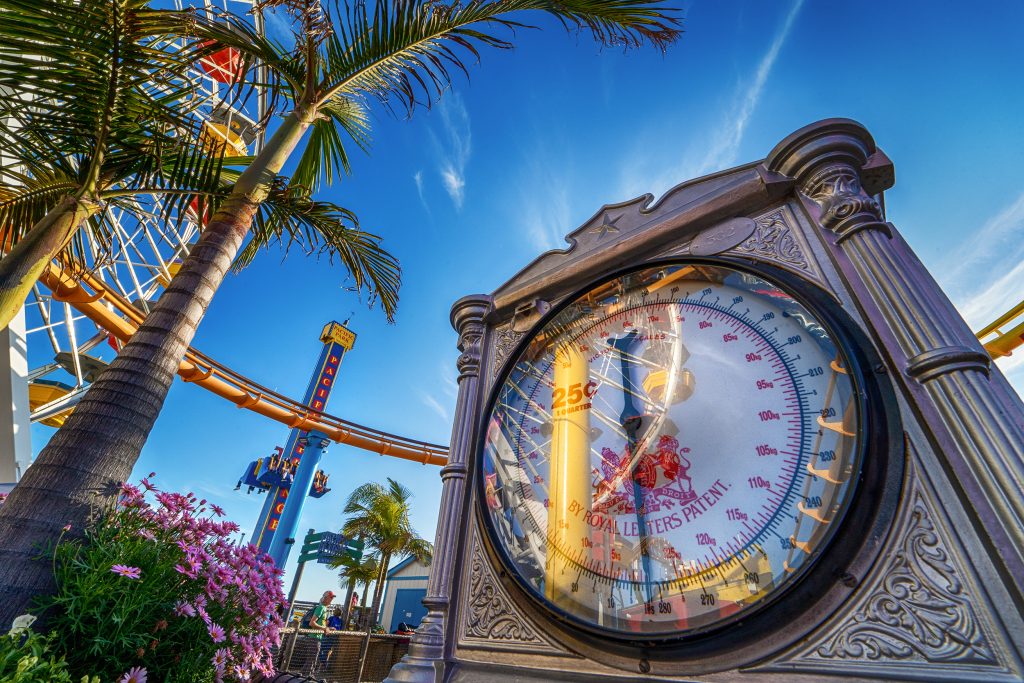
(735, 434)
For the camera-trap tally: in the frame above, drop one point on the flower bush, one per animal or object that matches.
(155, 590)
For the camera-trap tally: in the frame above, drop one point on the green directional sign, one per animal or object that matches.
(326, 546)
(311, 546)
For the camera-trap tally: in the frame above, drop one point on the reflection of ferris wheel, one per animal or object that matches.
(66, 350)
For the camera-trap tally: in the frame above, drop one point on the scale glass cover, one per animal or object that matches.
(670, 450)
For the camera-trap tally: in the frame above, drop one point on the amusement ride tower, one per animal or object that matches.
(291, 474)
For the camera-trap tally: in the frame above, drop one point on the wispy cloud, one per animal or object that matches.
(726, 141)
(995, 248)
(449, 387)
(723, 142)
(546, 213)
(435, 405)
(446, 393)
(983, 275)
(454, 146)
(983, 305)
(417, 178)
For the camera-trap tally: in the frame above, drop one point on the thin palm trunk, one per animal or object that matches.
(98, 445)
(362, 606)
(372, 617)
(347, 609)
(22, 266)
(378, 590)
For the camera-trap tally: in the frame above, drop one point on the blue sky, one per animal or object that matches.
(467, 193)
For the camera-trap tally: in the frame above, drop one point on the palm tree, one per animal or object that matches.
(361, 572)
(399, 52)
(97, 109)
(97, 114)
(380, 515)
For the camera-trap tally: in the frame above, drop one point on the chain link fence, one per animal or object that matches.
(333, 657)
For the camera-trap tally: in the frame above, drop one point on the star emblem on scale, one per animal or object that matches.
(607, 225)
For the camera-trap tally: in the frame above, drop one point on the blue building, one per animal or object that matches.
(404, 590)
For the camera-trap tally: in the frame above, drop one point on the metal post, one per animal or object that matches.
(337, 340)
(295, 586)
(427, 647)
(15, 434)
(291, 647)
(315, 446)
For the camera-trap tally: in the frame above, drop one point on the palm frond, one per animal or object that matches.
(380, 515)
(421, 549)
(108, 84)
(25, 199)
(325, 229)
(404, 52)
(81, 69)
(325, 154)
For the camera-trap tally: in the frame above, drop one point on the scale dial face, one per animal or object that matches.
(671, 450)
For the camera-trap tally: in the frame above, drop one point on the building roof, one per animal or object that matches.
(401, 565)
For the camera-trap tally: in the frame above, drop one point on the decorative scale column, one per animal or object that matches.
(425, 660)
(969, 406)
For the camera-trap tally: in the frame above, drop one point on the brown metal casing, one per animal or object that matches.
(923, 583)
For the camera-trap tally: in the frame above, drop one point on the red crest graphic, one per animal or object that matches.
(661, 473)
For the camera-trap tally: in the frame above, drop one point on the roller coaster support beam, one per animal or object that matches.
(15, 434)
(1003, 343)
(293, 473)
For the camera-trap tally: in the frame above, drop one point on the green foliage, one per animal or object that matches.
(161, 588)
(363, 572)
(380, 515)
(113, 621)
(402, 54)
(28, 657)
(111, 106)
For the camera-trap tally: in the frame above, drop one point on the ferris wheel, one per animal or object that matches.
(74, 324)
(64, 349)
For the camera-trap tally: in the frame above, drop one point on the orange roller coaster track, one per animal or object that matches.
(120, 318)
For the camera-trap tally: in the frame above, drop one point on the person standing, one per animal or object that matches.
(316, 619)
(353, 603)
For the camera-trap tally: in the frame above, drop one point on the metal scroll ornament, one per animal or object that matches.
(491, 615)
(921, 612)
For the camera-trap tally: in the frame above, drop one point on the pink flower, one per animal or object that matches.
(187, 571)
(66, 528)
(183, 609)
(128, 573)
(216, 632)
(217, 509)
(130, 495)
(147, 534)
(221, 657)
(135, 675)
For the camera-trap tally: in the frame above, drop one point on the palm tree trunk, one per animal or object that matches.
(372, 618)
(99, 443)
(21, 267)
(347, 609)
(378, 590)
(362, 605)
